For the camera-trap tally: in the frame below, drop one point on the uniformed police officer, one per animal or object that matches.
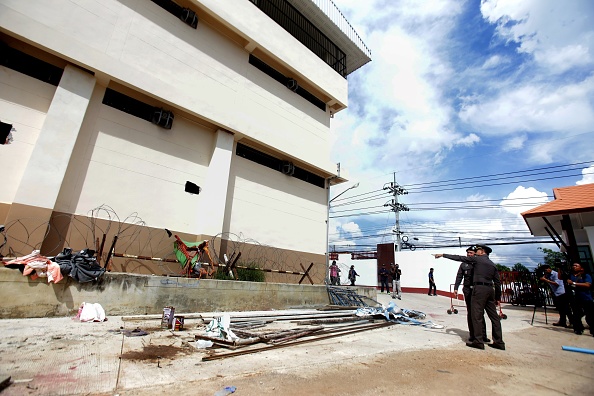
(485, 276)
(464, 277)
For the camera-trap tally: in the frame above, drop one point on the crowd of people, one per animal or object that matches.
(481, 286)
(335, 274)
(572, 296)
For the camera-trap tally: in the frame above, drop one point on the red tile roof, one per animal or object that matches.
(567, 200)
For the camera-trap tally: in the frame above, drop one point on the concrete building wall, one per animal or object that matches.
(244, 17)
(204, 77)
(24, 102)
(202, 71)
(137, 167)
(127, 294)
(415, 267)
(275, 209)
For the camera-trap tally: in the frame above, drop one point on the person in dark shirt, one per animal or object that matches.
(464, 277)
(582, 304)
(484, 295)
(395, 272)
(432, 285)
(383, 275)
(353, 275)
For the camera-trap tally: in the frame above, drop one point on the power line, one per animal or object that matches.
(498, 184)
(466, 179)
(453, 230)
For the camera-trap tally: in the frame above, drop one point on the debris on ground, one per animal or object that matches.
(223, 335)
(226, 391)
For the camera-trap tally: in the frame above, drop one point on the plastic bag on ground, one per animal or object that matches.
(91, 312)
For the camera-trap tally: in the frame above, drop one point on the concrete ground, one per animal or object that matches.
(60, 356)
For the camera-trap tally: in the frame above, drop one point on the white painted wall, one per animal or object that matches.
(414, 266)
(138, 44)
(246, 18)
(276, 209)
(46, 168)
(24, 102)
(134, 166)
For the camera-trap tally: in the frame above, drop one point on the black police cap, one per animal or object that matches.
(486, 248)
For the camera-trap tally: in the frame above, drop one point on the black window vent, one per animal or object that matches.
(287, 82)
(29, 65)
(287, 16)
(285, 167)
(186, 15)
(156, 115)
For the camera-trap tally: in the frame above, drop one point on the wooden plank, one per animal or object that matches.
(306, 273)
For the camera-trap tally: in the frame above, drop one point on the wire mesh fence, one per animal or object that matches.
(134, 247)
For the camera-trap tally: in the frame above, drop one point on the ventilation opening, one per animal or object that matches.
(135, 107)
(286, 167)
(290, 83)
(29, 65)
(186, 15)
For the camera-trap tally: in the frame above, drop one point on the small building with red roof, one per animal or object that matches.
(568, 220)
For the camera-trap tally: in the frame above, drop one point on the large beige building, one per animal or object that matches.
(123, 102)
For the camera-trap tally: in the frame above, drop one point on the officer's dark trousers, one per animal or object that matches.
(467, 290)
(483, 299)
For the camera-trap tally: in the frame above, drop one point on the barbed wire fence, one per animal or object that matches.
(139, 248)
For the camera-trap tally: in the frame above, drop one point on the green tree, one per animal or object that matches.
(552, 258)
(520, 268)
(502, 267)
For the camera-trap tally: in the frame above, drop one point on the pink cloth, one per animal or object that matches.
(35, 264)
(53, 272)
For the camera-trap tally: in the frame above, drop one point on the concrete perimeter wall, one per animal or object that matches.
(415, 267)
(128, 294)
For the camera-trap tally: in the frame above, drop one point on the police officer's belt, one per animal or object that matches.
(483, 284)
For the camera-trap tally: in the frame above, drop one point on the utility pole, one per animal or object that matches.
(397, 207)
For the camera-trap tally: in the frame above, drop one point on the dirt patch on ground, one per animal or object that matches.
(154, 352)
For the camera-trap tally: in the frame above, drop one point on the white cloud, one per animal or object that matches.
(468, 140)
(402, 118)
(514, 143)
(587, 176)
(523, 199)
(559, 60)
(352, 228)
(558, 34)
(537, 107)
(494, 61)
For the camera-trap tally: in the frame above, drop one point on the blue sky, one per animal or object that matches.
(457, 91)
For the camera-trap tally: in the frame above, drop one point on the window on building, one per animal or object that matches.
(279, 165)
(29, 65)
(288, 82)
(287, 16)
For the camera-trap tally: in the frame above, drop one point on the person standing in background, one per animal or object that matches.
(560, 298)
(334, 280)
(383, 276)
(396, 290)
(352, 275)
(582, 303)
(432, 285)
